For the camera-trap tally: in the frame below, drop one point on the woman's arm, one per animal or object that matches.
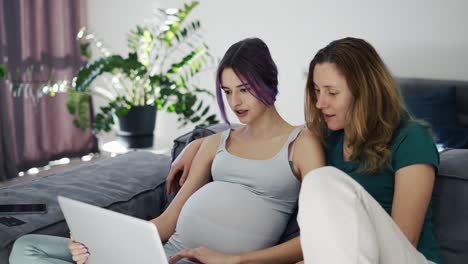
(413, 190)
(181, 166)
(308, 153)
(198, 176)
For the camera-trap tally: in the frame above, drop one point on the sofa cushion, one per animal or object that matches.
(450, 205)
(436, 107)
(198, 132)
(462, 105)
(463, 119)
(418, 86)
(452, 137)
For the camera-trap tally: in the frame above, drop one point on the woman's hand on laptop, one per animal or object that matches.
(78, 251)
(204, 255)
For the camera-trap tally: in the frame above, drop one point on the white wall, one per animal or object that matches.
(416, 38)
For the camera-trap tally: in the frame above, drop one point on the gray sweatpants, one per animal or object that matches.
(42, 249)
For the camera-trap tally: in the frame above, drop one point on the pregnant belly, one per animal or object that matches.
(229, 218)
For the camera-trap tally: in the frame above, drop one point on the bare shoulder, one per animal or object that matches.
(211, 142)
(308, 138)
(308, 144)
(308, 154)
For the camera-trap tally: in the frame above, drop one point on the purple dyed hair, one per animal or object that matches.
(251, 61)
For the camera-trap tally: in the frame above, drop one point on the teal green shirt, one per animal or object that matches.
(411, 144)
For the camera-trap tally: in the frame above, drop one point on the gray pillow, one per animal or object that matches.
(198, 132)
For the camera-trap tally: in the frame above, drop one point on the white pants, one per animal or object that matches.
(341, 222)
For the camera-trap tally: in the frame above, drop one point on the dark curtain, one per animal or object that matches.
(38, 34)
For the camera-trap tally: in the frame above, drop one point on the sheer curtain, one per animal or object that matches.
(38, 40)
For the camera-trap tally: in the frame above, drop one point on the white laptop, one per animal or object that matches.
(113, 237)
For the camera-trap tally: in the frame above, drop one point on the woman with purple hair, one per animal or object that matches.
(257, 172)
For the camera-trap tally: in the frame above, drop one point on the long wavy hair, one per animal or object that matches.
(376, 110)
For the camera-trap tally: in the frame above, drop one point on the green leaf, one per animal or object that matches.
(174, 27)
(72, 102)
(212, 119)
(122, 111)
(87, 74)
(169, 35)
(85, 50)
(203, 91)
(205, 111)
(190, 100)
(83, 108)
(160, 104)
(76, 123)
(171, 108)
(103, 121)
(195, 119)
(78, 105)
(200, 104)
(181, 82)
(184, 34)
(3, 71)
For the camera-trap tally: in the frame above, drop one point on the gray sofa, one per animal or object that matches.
(450, 204)
(419, 86)
(134, 184)
(442, 103)
(451, 189)
(131, 184)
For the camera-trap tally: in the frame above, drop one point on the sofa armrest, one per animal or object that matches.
(450, 204)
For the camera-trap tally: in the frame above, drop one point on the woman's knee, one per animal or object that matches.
(326, 184)
(324, 180)
(22, 247)
(27, 246)
(25, 241)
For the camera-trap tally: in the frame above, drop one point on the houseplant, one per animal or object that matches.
(157, 74)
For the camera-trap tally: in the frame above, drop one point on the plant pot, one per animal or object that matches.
(136, 128)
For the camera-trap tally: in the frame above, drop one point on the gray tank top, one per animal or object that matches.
(246, 207)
